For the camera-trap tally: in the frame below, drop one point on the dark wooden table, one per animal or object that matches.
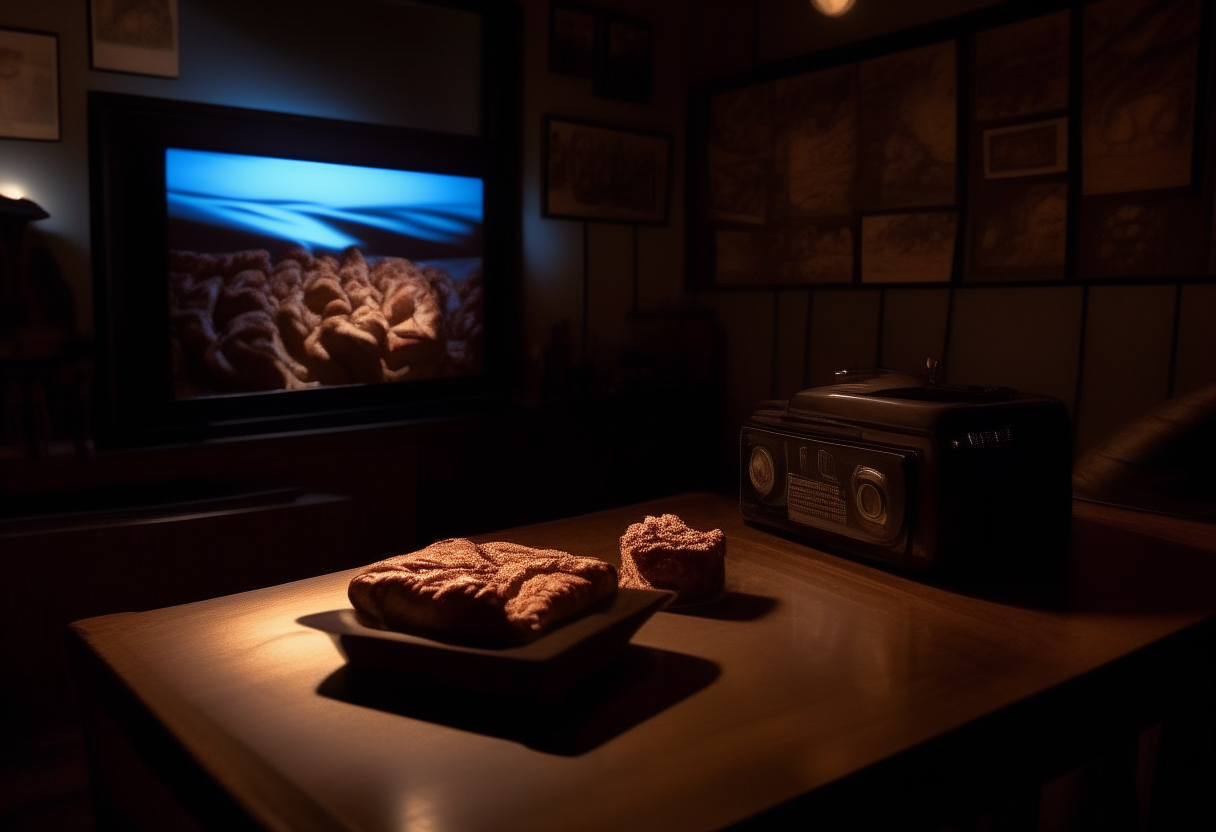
(820, 688)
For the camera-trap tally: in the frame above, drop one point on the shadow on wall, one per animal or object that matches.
(1110, 353)
(1162, 461)
(43, 374)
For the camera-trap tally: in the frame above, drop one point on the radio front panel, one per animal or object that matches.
(856, 491)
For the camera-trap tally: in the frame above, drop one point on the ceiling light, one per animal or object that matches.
(833, 8)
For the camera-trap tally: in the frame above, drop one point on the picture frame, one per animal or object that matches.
(1126, 57)
(29, 88)
(624, 58)
(1031, 149)
(605, 173)
(800, 187)
(909, 247)
(814, 170)
(572, 39)
(139, 39)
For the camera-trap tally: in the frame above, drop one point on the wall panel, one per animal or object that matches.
(1128, 334)
(660, 268)
(552, 267)
(552, 293)
(1028, 338)
(609, 291)
(747, 329)
(914, 328)
(790, 376)
(1196, 362)
(844, 332)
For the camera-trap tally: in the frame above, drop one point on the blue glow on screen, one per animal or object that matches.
(319, 204)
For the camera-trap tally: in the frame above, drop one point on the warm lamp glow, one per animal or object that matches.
(833, 8)
(12, 191)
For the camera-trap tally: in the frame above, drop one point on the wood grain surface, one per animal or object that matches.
(815, 683)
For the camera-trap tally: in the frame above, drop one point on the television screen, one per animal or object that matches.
(287, 274)
(259, 272)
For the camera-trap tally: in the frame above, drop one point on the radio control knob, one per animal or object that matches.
(870, 495)
(869, 501)
(762, 471)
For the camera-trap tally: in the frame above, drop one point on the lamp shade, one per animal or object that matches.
(21, 210)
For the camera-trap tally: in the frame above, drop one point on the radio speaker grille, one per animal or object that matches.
(810, 500)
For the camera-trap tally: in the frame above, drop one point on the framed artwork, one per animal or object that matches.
(1156, 234)
(1026, 149)
(1070, 144)
(1021, 69)
(613, 49)
(140, 38)
(29, 85)
(1019, 229)
(907, 117)
(790, 255)
(623, 58)
(814, 145)
(572, 40)
(1020, 192)
(916, 247)
(837, 175)
(740, 155)
(1139, 82)
(597, 172)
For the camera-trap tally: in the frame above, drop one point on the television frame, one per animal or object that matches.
(135, 402)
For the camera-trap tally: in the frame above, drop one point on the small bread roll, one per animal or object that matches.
(663, 553)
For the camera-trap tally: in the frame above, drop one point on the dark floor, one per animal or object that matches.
(44, 785)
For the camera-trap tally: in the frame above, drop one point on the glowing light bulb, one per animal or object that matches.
(833, 8)
(12, 191)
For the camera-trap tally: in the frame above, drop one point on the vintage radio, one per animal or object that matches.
(912, 473)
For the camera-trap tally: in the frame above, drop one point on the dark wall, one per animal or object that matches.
(1110, 352)
(400, 64)
(618, 422)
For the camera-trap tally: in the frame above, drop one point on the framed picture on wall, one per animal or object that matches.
(1026, 149)
(1135, 136)
(572, 40)
(623, 58)
(597, 172)
(29, 85)
(141, 38)
(1081, 155)
(911, 247)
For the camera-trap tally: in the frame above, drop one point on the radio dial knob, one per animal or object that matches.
(869, 501)
(762, 472)
(870, 495)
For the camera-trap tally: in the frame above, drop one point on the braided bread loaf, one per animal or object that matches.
(479, 593)
(242, 323)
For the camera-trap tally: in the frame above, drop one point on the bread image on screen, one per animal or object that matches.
(663, 553)
(241, 323)
(485, 594)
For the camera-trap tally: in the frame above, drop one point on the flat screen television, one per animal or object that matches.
(259, 272)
